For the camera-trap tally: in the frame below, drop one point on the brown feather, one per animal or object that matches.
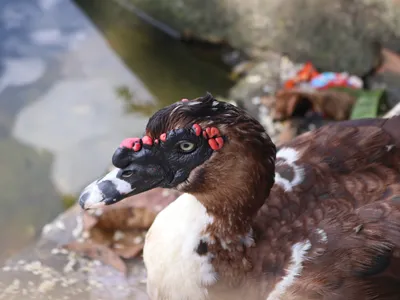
(350, 189)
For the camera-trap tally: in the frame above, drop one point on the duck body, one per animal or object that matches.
(319, 235)
(319, 219)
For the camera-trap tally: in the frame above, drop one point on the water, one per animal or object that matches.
(169, 69)
(71, 88)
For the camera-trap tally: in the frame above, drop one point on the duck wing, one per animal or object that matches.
(343, 180)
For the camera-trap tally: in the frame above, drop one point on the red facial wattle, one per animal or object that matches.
(146, 140)
(163, 137)
(130, 142)
(214, 138)
(211, 134)
(197, 129)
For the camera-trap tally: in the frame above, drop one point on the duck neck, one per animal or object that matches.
(234, 204)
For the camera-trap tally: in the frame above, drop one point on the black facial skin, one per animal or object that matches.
(164, 164)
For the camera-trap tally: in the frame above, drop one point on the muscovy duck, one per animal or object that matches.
(318, 219)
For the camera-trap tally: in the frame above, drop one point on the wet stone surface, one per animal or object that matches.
(48, 271)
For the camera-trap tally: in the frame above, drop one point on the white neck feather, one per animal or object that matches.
(175, 270)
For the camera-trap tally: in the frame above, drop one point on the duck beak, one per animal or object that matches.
(120, 184)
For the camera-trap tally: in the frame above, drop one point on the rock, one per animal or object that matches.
(47, 271)
(388, 77)
(390, 61)
(117, 232)
(337, 35)
(90, 266)
(261, 81)
(391, 83)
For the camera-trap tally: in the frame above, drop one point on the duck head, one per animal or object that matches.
(211, 149)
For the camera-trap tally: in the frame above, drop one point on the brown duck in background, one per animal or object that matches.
(319, 219)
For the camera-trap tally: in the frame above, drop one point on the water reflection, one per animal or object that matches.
(169, 69)
(61, 113)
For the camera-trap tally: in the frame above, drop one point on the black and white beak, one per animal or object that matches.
(135, 173)
(107, 190)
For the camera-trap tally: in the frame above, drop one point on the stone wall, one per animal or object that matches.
(339, 35)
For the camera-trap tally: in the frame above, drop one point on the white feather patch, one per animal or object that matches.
(175, 270)
(299, 252)
(289, 157)
(323, 235)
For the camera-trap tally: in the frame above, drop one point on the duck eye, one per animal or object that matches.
(186, 146)
(127, 173)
